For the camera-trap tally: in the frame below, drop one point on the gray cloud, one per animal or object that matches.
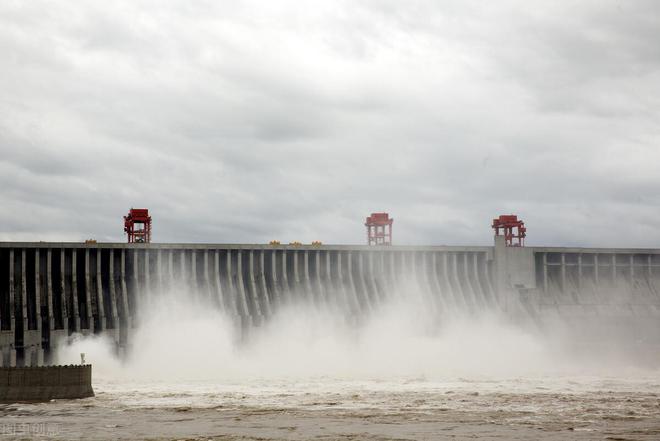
(250, 121)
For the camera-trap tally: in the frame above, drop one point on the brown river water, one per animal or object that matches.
(323, 408)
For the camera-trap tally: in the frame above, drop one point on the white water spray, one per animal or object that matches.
(185, 340)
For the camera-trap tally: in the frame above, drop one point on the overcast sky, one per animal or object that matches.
(247, 121)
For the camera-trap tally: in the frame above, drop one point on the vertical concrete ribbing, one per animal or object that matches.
(30, 340)
(454, 272)
(253, 287)
(194, 283)
(417, 267)
(147, 277)
(245, 311)
(37, 306)
(357, 308)
(413, 273)
(24, 308)
(307, 285)
(458, 288)
(435, 287)
(12, 309)
(545, 272)
(361, 285)
(487, 277)
(342, 284)
(28, 348)
(451, 277)
(477, 284)
(12, 288)
(418, 261)
(266, 310)
(240, 321)
(563, 272)
(37, 291)
(203, 280)
(613, 268)
(100, 306)
(579, 281)
(113, 297)
(49, 290)
(286, 290)
(137, 289)
(382, 277)
(230, 285)
(319, 278)
(334, 290)
(3, 320)
(395, 288)
(277, 293)
(74, 291)
(377, 268)
(423, 276)
(159, 271)
(64, 301)
(117, 277)
(216, 278)
(466, 283)
(390, 274)
(444, 288)
(88, 291)
(183, 279)
(438, 292)
(128, 314)
(371, 278)
(207, 280)
(170, 268)
(363, 289)
(345, 297)
(296, 276)
(481, 292)
(652, 273)
(472, 278)
(447, 288)
(596, 275)
(632, 267)
(404, 273)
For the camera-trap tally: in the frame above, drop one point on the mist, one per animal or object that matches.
(183, 337)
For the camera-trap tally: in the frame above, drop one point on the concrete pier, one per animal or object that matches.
(42, 384)
(48, 291)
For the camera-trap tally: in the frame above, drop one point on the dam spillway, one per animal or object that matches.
(49, 291)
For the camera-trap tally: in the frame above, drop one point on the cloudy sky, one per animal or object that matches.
(246, 121)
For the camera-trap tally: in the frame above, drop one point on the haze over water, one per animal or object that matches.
(401, 372)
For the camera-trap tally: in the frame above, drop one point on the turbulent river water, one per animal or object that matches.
(308, 374)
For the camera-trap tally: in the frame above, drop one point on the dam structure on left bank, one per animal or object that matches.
(49, 291)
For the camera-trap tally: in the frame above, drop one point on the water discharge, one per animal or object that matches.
(185, 338)
(402, 371)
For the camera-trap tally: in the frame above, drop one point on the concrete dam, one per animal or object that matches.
(49, 291)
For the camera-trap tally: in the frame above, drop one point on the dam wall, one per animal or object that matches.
(603, 294)
(48, 291)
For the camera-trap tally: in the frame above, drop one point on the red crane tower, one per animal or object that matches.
(377, 233)
(135, 217)
(507, 223)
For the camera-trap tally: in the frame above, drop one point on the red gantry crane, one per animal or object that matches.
(138, 217)
(379, 229)
(508, 223)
